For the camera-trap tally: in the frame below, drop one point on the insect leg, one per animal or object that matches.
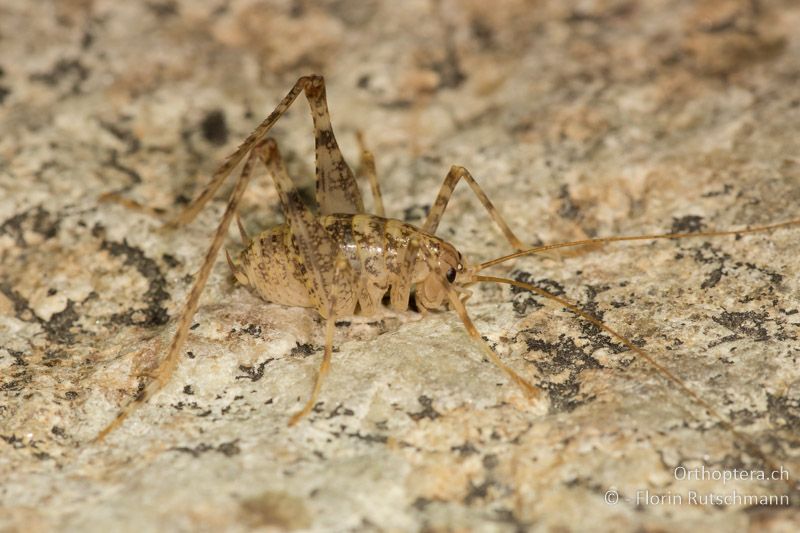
(323, 372)
(456, 173)
(320, 263)
(401, 280)
(530, 390)
(167, 366)
(367, 167)
(218, 178)
(337, 190)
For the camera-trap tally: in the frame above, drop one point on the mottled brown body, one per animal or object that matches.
(332, 257)
(337, 259)
(375, 248)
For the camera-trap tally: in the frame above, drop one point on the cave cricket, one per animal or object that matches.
(340, 259)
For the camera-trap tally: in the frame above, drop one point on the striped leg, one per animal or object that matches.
(166, 367)
(367, 167)
(456, 173)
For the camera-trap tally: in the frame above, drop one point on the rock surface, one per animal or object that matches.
(580, 119)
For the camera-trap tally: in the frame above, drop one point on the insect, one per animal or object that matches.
(341, 260)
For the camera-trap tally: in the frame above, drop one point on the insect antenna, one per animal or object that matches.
(667, 374)
(604, 240)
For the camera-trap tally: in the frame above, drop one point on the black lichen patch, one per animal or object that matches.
(163, 9)
(19, 359)
(482, 33)
(341, 410)
(726, 189)
(490, 461)
(54, 357)
(451, 75)
(709, 255)
(420, 504)
(371, 438)
(477, 492)
(566, 355)
(125, 135)
(21, 308)
(253, 330)
(427, 410)
(747, 323)
(507, 516)
(774, 277)
(12, 440)
(465, 449)
(590, 305)
(215, 127)
(155, 314)
(4, 91)
(303, 349)
(170, 260)
(69, 72)
(59, 327)
(563, 356)
(723, 265)
(18, 381)
(784, 411)
(114, 163)
(228, 449)
(524, 301)
(416, 213)
(36, 219)
(13, 227)
(687, 224)
(44, 223)
(568, 208)
(254, 373)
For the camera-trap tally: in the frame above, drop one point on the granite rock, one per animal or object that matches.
(579, 118)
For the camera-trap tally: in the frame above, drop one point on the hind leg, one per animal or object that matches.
(319, 261)
(166, 367)
(321, 375)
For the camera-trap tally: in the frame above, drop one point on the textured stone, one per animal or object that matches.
(580, 119)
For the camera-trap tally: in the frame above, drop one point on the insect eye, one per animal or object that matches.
(451, 275)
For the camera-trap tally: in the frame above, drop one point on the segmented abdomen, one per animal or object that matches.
(374, 247)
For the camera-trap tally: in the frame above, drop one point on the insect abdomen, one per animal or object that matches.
(267, 264)
(374, 247)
